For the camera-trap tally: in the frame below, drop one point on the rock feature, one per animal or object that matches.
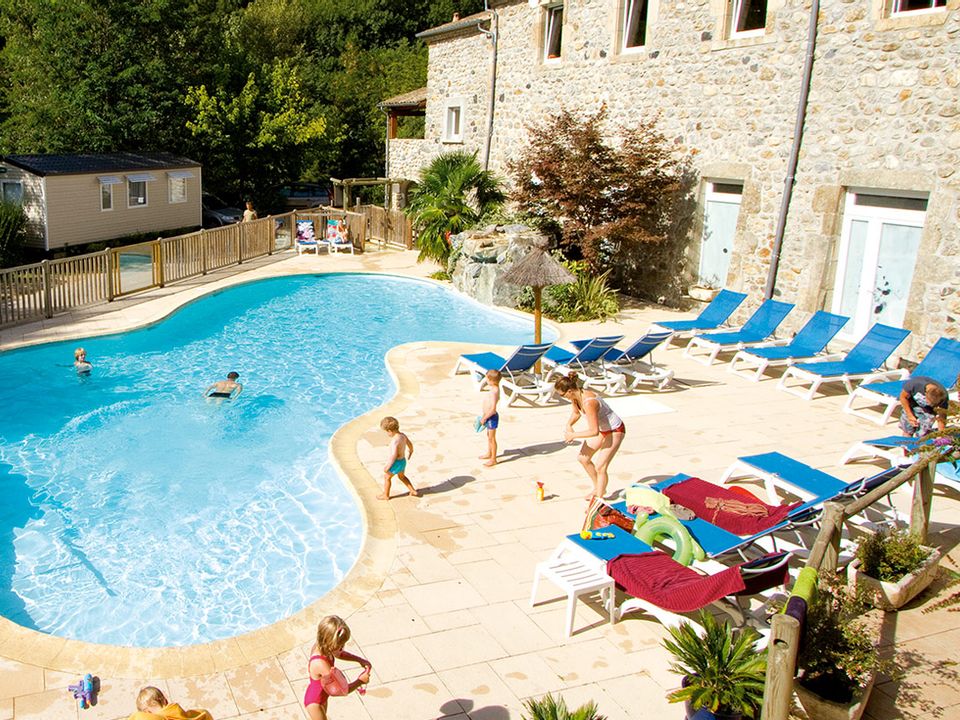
(481, 257)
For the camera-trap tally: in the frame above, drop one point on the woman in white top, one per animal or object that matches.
(602, 437)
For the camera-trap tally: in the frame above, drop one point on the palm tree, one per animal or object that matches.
(453, 194)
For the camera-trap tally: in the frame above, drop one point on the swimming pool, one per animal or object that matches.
(134, 512)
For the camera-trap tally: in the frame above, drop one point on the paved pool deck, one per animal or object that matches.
(439, 600)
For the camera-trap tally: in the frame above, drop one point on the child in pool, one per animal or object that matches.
(400, 450)
(225, 389)
(80, 361)
(332, 636)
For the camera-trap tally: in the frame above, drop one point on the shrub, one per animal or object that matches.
(889, 554)
(551, 708)
(838, 654)
(588, 298)
(606, 197)
(13, 225)
(441, 275)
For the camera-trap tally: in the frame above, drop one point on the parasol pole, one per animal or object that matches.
(536, 323)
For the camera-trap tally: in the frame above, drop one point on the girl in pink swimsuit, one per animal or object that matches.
(332, 636)
(602, 437)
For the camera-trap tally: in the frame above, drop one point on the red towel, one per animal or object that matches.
(733, 510)
(658, 578)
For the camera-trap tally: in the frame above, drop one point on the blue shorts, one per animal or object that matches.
(398, 466)
(492, 422)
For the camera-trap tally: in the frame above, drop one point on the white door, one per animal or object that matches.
(720, 212)
(878, 252)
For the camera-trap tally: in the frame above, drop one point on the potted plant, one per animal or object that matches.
(892, 567)
(550, 708)
(838, 659)
(723, 672)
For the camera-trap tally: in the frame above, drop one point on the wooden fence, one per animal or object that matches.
(42, 290)
(388, 227)
(785, 633)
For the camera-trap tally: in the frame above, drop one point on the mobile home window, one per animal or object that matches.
(909, 6)
(137, 189)
(748, 17)
(634, 31)
(177, 186)
(453, 122)
(553, 32)
(106, 197)
(13, 192)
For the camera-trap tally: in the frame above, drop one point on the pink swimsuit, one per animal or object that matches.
(315, 693)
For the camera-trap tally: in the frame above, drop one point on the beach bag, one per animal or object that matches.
(600, 515)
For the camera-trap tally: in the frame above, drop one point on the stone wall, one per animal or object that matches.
(481, 257)
(883, 113)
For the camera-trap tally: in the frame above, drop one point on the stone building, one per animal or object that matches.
(871, 230)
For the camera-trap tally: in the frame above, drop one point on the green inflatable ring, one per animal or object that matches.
(664, 527)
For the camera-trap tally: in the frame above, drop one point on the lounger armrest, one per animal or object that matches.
(775, 342)
(886, 375)
(766, 564)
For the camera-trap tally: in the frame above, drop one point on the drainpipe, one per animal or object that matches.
(493, 34)
(789, 180)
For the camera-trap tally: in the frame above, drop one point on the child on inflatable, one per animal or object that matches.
(325, 679)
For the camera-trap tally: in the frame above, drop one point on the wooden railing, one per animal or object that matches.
(42, 290)
(824, 556)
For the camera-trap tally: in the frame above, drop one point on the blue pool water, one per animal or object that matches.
(134, 512)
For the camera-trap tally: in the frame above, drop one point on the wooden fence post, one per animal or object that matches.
(158, 259)
(781, 667)
(108, 267)
(238, 233)
(922, 499)
(47, 295)
(203, 251)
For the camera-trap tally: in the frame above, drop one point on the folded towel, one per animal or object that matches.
(733, 510)
(658, 578)
(172, 712)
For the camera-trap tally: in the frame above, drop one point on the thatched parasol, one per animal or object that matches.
(537, 270)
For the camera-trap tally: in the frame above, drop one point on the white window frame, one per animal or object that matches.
(11, 183)
(106, 196)
(453, 120)
(875, 216)
(136, 179)
(552, 27)
(177, 179)
(897, 11)
(130, 196)
(632, 11)
(737, 10)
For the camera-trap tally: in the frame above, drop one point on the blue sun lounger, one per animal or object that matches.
(893, 448)
(758, 328)
(711, 317)
(777, 470)
(942, 364)
(518, 379)
(637, 360)
(811, 340)
(586, 360)
(864, 359)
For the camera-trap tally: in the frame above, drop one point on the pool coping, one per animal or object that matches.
(362, 581)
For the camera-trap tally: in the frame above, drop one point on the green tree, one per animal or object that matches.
(106, 75)
(453, 194)
(255, 138)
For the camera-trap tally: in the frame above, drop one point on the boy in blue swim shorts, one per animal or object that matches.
(489, 418)
(400, 450)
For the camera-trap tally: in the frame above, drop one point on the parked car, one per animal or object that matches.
(300, 195)
(216, 213)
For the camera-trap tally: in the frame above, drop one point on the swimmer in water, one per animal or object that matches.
(80, 361)
(225, 389)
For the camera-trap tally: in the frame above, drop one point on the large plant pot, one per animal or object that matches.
(892, 596)
(818, 708)
(702, 294)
